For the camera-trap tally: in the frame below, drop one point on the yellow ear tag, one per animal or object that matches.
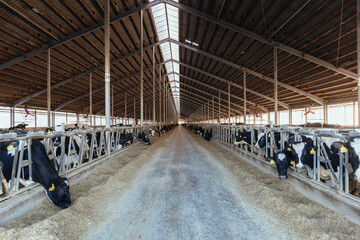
(272, 162)
(312, 151)
(52, 188)
(289, 149)
(292, 163)
(269, 135)
(343, 149)
(279, 142)
(240, 136)
(10, 147)
(134, 138)
(49, 132)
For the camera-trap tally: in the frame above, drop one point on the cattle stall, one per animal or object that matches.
(270, 84)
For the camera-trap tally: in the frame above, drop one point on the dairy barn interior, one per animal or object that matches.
(164, 119)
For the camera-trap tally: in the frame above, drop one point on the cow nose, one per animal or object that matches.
(282, 177)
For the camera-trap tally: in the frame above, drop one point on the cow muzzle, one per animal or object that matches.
(282, 177)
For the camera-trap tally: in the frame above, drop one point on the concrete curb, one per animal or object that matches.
(345, 204)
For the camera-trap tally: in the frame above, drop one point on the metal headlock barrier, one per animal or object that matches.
(84, 146)
(225, 134)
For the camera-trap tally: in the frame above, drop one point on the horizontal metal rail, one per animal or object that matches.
(225, 134)
(93, 145)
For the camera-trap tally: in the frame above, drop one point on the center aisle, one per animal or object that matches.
(183, 193)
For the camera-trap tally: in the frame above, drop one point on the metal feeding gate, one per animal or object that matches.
(225, 134)
(83, 146)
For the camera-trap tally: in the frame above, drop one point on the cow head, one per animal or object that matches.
(58, 193)
(261, 142)
(283, 160)
(353, 146)
(298, 151)
(142, 137)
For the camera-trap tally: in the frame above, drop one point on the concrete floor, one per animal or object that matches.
(183, 193)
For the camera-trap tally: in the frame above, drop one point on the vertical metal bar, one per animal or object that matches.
(212, 121)
(154, 119)
(48, 88)
(354, 123)
(160, 94)
(112, 104)
(141, 67)
(219, 108)
(164, 95)
(358, 54)
(125, 115)
(229, 102)
(244, 83)
(290, 116)
(275, 85)
(135, 111)
(90, 99)
(107, 62)
(346, 172)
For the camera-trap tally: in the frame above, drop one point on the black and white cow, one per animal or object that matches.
(261, 140)
(283, 160)
(208, 135)
(56, 187)
(143, 138)
(244, 137)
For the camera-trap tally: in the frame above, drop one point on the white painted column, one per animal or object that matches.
(107, 62)
(213, 110)
(244, 86)
(154, 97)
(160, 94)
(219, 108)
(325, 113)
(275, 86)
(135, 111)
(141, 67)
(48, 88)
(358, 54)
(90, 99)
(229, 102)
(290, 116)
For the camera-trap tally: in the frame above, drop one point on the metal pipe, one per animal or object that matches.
(275, 86)
(48, 88)
(135, 122)
(160, 94)
(244, 88)
(358, 54)
(219, 108)
(290, 116)
(229, 102)
(112, 104)
(213, 110)
(125, 115)
(141, 67)
(107, 62)
(90, 99)
(154, 97)
(164, 96)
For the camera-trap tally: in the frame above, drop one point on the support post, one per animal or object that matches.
(213, 110)
(154, 100)
(160, 94)
(275, 86)
(112, 105)
(48, 88)
(290, 116)
(358, 54)
(90, 99)
(325, 110)
(107, 63)
(244, 86)
(35, 119)
(141, 67)
(219, 108)
(135, 111)
(164, 90)
(125, 114)
(229, 102)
